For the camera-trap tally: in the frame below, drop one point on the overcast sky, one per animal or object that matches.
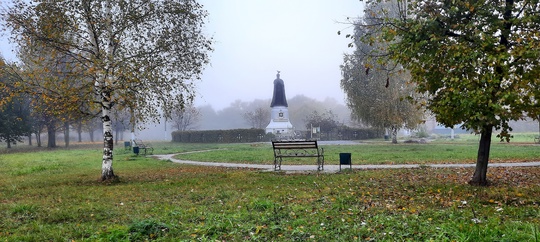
(255, 38)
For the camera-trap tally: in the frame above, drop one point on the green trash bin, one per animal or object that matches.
(345, 159)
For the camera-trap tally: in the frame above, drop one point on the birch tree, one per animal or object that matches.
(137, 54)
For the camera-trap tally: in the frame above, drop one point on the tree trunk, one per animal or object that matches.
(480, 174)
(66, 133)
(30, 139)
(38, 138)
(8, 144)
(116, 135)
(132, 127)
(79, 131)
(394, 135)
(108, 141)
(51, 135)
(91, 133)
(105, 92)
(538, 126)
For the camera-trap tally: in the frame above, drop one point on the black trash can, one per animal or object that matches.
(345, 159)
(136, 150)
(127, 145)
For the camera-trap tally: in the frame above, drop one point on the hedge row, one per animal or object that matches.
(220, 136)
(258, 135)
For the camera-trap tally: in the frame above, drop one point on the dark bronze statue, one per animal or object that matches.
(279, 98)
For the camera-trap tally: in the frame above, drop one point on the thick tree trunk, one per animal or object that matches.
(51, 135)
(108, 141)
(105, 92)
(8, 144)
(30, 139)
(480, 174)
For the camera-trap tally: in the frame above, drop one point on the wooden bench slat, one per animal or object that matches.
(295, 142)
(295, 147)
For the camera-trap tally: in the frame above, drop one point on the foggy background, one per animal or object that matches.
(253, 39)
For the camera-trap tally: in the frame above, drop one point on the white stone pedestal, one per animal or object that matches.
(279, 122)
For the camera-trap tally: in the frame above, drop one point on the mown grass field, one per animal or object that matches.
(55, 195)
(462, 150)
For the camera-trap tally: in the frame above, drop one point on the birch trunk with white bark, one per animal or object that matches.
(104, 90)
(107, 172)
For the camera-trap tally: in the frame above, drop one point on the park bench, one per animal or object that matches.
(142, 146)
(297, 149)
(537, 139)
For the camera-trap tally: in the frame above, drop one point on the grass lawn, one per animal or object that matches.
(55, 195)
(462, 150)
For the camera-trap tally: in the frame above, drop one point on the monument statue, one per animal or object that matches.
(279, 118)
(279, 99)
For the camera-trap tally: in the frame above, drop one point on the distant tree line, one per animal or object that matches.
(256, 113)
(330, 118)
(25, 116)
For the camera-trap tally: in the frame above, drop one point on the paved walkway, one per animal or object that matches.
(335, 168)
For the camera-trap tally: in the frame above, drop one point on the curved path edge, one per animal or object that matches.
(335, 168)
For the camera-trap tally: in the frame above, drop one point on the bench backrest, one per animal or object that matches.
(138, 142)
(295, 144)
